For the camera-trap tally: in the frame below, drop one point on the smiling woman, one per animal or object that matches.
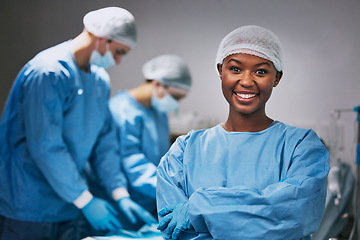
(247, 83)
(250, 177)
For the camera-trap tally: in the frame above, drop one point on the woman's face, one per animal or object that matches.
(247, 82)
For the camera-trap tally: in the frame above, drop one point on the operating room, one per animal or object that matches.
(319, 88)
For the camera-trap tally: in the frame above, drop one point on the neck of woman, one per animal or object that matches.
(247, 122)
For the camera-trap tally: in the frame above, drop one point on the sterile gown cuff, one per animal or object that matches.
(120, 193)
(198, 224)
(83, 199)
(197, 220)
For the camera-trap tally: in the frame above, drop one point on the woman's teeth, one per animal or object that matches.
(246, 96)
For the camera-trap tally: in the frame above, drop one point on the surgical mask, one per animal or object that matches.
(165, 104)
(105, 61)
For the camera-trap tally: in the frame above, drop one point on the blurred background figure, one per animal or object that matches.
(57, 121)
(141, 116)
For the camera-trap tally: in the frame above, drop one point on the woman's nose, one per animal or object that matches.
(246, 79)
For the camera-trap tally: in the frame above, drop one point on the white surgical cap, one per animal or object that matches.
(113, 23)
(252, 40)
(168, 69)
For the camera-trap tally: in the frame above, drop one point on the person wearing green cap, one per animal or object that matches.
(55, 124)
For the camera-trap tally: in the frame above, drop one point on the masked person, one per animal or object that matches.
(55, 122)
(141, 116)
(250, 177)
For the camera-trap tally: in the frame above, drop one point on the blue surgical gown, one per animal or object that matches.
(55, 122)
(240, 185)
(144, 139)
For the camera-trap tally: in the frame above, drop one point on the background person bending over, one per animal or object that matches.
(55, 122)
(250, 177)
(140, 114)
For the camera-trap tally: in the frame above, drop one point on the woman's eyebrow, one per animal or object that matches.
(264, 63)
(235, 60)
(257, 65)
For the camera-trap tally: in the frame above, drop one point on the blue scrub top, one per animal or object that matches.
(241, 185)
(144, 139)
(55, 121)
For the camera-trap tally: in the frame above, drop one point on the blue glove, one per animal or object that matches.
(133, 210)
(175, 220)
(101, 215)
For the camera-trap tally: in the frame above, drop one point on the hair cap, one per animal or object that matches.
(114, 23)
(253, 40)
(168, 69)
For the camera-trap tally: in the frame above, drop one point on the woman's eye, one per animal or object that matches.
(261, 71)
(236, 69)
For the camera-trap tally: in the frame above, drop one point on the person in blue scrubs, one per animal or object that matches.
(251, 177)
(141, 116)
(56, 123)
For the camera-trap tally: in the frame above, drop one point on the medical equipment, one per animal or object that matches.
(355, 235)
(341, 188)
(337, 215)
(332, 144)
(341, 185)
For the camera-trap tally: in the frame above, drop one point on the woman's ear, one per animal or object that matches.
(219, 68)
(278, 77)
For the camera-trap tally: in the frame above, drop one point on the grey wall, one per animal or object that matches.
(320, 41)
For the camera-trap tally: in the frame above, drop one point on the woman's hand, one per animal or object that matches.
(175, 220)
